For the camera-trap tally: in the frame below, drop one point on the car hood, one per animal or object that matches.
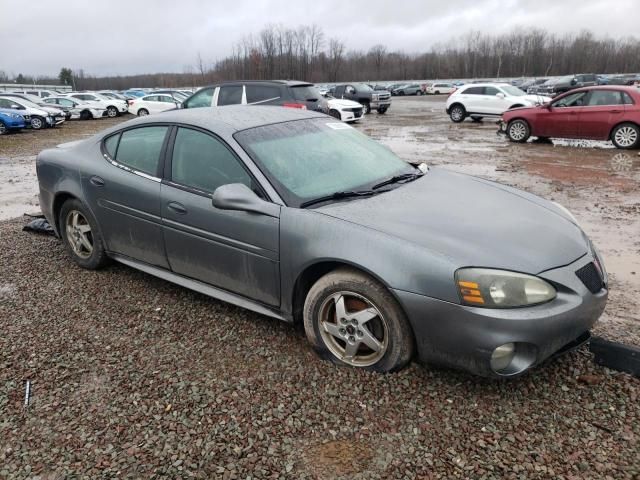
(537, 98)
(337, 102)
(471, 222)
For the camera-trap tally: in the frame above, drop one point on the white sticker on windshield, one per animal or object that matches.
(339, 126)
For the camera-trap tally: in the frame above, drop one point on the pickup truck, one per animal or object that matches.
(364, 95)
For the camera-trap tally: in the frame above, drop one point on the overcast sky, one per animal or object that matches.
(144, 36)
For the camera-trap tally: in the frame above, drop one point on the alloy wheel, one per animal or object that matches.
(517, 131)
(36, 123)
(3, 129)
(142, 112)
(626, 136)
(353, 329)
(79, 234)
(112, 112)
(456, 113)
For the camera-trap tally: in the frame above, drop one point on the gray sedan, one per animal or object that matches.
(296, 216)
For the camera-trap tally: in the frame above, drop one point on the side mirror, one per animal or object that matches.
(547, 105)
(17, 107)
(574, 81)
(239, 197)
(500, 95)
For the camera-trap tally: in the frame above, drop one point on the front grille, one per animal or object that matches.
(591, 278)
(384, 97)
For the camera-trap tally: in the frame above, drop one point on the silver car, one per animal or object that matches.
(294, 215)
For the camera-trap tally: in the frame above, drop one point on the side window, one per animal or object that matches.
(203, 162)
(150, 98)
(140, 148)
(626, 98)
(491, 91)
(231, 95)
(573, 100)
(201, 99)
(165, 98)
(261, 93)
(65, 102)
(603, 97)
(473, 91)
(111, 145)
(349, 89)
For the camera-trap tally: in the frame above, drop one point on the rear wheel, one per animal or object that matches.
(626, 136)
(143, 112)
(3, 128)
(351, 319)
(518, 131)
(81, 236)
(457, 113)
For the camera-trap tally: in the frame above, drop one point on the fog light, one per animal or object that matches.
(502, 357)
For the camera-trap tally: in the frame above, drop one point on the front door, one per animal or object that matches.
(233, 250)
(123, 193)
(561, 118)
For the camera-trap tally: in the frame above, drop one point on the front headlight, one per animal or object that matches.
(375, 97)
(16, 116)
(485, 287)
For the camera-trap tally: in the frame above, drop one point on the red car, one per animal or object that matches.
(605, 112)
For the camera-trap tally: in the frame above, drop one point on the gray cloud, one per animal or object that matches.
(139, 36)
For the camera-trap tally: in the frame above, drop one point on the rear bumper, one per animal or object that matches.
(465, 337)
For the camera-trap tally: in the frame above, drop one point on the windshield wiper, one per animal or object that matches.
(408, 177)
(340, 195)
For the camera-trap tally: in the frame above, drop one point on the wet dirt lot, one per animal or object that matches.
(134, 377)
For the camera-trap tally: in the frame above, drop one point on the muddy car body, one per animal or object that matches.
(482, 276)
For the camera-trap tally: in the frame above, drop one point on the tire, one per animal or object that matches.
(518, 131)
(626, 136)
(112, 111)
(143, 112)
(437, 92)
(418, 93)
(457, 113)
(86, 115)
(401, 93)
(3, 129)
(79, 231)
(477, 119)
(382, 111)
(37, 123)
(366, 108)
(380, 340)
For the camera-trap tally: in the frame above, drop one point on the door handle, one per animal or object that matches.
(177, 208)
(97, 181)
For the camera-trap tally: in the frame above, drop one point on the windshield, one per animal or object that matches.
(513, 91)
(309, 159)
(363, 87)
(24, 102)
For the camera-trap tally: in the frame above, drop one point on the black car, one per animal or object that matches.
(556, 86)
(286, 93)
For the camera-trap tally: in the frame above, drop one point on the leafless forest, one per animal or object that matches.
(305, 53)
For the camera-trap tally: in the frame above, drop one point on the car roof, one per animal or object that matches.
(289, 83)
(488, 84)
(228, 119)
(624, 88)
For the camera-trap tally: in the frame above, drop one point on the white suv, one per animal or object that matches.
(479, 100)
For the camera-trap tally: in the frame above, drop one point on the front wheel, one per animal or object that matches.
(518, 131)
(457, 113)
(81, 236)
(112, 112)
(366, 107)
(626, 136)
(351, 319)
(382, 111)
(419, 92)
(37, 123)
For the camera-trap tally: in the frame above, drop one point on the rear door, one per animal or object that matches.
(123, 193)
(230, 95)
(263, 94)
(232, 250)
(307, 95)
(603, 110)
(471, 98)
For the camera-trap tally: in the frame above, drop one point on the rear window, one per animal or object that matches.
(474, 91)
(305, 93)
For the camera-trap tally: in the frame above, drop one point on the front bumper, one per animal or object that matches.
(465, 337)
(376, 104)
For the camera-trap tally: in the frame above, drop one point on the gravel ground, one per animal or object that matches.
(134, 377)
